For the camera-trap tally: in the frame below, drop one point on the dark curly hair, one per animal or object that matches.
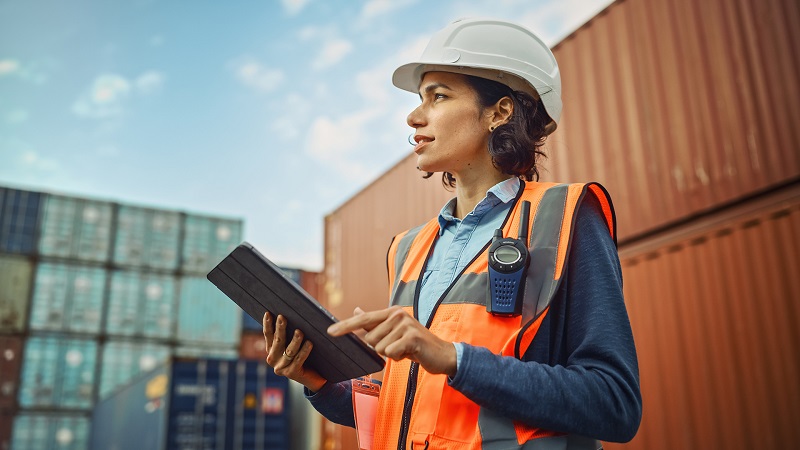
(515, 146)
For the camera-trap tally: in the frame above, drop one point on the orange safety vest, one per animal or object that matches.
(420, 411)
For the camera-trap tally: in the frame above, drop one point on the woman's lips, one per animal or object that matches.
(421, 141)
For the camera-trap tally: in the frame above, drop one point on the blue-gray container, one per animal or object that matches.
(19, 216)
(142, 304)
(67, 297)
(206, 315)
(50, 431)
(206, 241)
(58, 371)
(125, 360)
(196, 404)
(147, 238)
(250, 324)
(76, 228)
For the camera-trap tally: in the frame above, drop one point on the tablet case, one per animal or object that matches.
(257, 285)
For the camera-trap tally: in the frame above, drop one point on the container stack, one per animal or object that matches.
(93, 293)
(197, 404)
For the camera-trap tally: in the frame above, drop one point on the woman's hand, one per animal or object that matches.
(287, 360)
(396, 335)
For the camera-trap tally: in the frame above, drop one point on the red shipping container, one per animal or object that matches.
(252, 346)
(10, 363)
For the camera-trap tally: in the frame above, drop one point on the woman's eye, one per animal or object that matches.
(439, 96)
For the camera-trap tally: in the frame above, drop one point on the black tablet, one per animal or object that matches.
(257, 285)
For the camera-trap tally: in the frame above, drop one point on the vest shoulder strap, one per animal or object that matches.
(550, 239)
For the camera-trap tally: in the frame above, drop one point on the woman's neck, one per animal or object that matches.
(471, 190)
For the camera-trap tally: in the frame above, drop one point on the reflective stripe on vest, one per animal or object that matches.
(418, 409)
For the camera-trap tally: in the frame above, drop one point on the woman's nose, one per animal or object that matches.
(415, 118)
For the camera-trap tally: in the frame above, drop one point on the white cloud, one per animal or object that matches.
(375, 8)
(308, 32)
(333, 141)
(31, 159)
(290, 114)
(149, 82)
(293, 7)
(257, 76)
(8, 66)
(104, 98)
(332, 52)
(17, 116)
(34, 71)
(345, 142)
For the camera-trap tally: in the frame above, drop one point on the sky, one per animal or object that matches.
(272, 111)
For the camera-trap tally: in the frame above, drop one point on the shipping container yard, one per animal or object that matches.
(95, 294)
(686, 111)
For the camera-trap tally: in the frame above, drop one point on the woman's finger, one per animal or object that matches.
(303, 353)
(266, 325)
(275, 351)
(292, 350)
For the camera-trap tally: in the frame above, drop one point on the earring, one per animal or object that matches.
(491, 129)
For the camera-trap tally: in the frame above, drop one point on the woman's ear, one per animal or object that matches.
(501, 112)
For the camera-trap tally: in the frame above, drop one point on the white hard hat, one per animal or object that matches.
(495, 50)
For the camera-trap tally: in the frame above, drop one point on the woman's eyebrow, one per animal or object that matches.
(433, 86)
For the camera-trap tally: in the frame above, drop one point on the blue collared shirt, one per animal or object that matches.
(461, 239)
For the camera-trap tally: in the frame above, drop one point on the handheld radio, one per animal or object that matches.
(508, 264)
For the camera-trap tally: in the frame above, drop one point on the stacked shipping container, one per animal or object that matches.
(688, 113)
(197, 404)
(93, 293)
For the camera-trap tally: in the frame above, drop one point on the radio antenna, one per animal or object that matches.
(523, 221)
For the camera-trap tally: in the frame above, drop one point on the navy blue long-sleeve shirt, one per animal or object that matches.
(580, 374)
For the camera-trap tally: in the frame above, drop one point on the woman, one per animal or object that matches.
(558, 369)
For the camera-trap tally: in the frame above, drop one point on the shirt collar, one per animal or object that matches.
(502, 192)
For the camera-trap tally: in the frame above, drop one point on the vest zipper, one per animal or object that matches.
(411, 391)
(411, 387)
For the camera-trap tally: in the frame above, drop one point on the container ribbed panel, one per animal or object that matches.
(58, 371)
(68, 297)
(142, 304)
(714, 312)
(51, 431)
(75, 228)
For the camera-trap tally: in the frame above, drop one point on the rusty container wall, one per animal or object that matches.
(679, 106)
(252, 346)
(358, 234)
(6, 424)
(312, 282)
(10, 363)
(716, 321)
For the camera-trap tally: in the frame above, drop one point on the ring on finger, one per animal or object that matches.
(288, 356)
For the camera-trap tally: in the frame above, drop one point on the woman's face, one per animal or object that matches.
(452, 130)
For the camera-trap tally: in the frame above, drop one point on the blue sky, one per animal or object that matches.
(275, 112)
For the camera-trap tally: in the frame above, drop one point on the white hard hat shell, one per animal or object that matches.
(493, 49)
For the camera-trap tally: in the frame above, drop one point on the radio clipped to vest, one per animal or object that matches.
(508, 264)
